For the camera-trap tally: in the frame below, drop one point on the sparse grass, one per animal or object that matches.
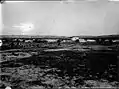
(50, 69)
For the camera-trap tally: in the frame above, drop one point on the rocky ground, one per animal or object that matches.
(59, 68)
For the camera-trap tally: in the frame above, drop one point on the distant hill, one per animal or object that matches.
(60, 37)
(30, 36)
(101, 36)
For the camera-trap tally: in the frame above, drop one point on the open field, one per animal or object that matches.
(49, 65)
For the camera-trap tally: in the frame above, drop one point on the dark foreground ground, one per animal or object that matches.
(52, 66)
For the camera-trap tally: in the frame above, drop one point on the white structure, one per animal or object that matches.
(115, 40)
(75, 38)
(91, 41)
(51, 40)
(66, 41)
(82, 40)
(8, 87)
(28, 40)
(0, 42)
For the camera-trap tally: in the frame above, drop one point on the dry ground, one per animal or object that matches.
(51, 67)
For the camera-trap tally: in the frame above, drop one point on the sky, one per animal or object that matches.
(79, 17)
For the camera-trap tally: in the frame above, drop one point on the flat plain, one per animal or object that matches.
(31, 65)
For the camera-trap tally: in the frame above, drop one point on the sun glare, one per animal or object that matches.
(25, 27)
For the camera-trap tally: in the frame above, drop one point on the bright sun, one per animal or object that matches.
(25, 27)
